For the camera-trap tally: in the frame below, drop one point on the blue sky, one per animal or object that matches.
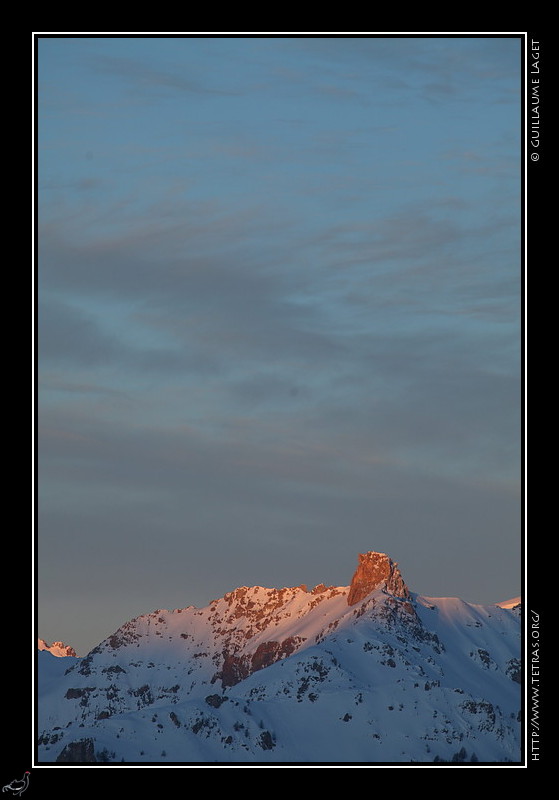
(279, 313)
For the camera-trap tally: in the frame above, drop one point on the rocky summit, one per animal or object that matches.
(366, 673)
(376, 571)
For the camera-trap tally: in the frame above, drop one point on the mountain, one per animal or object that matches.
(370, 673)
(58, 649)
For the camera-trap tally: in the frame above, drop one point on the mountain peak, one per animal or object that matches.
(376, 571)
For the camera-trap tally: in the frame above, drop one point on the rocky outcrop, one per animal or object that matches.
(80, 752)
(236, 668)
(376, 571)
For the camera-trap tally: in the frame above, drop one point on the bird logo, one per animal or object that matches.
(17, 787)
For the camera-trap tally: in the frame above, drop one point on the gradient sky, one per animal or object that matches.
(279, 313)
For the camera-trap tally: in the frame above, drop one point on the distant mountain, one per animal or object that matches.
(58, 649)
(369, 673)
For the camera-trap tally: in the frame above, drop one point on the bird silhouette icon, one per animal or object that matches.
(17, 787)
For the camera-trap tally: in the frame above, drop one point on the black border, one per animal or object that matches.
(534, 227)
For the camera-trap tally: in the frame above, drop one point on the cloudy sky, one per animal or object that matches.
(278, 298)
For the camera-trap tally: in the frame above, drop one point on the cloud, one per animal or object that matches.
(79, 185)
(54, 383)
(144, 77)
(192, 286)
(68, 335)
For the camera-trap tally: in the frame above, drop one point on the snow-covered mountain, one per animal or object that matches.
(361, 674)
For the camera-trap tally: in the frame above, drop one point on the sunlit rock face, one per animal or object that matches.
(58, 649)
(376, 571)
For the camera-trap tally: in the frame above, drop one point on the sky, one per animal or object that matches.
(278, 283)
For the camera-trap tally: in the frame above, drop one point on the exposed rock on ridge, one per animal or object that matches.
(376, 571)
